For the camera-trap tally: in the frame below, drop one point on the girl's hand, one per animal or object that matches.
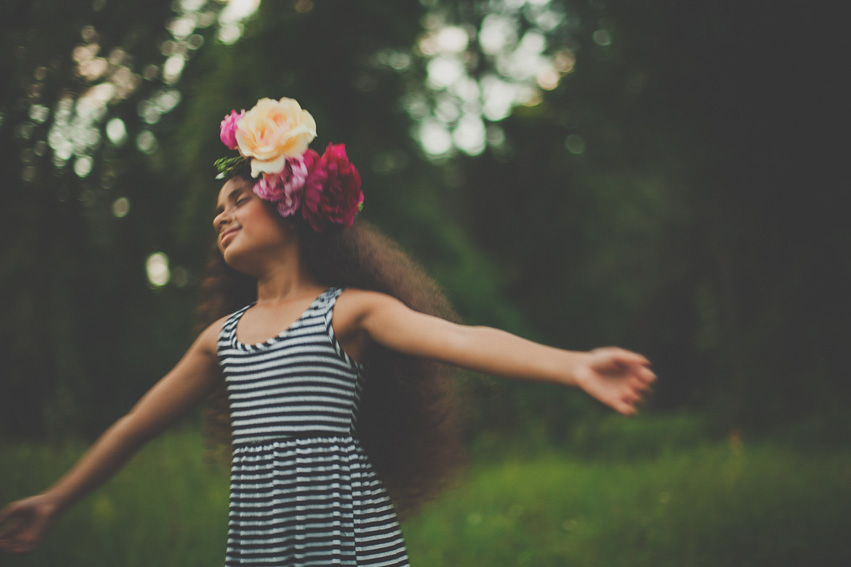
(618, 378)
(24, 523)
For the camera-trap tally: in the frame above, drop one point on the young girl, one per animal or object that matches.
(326, 342)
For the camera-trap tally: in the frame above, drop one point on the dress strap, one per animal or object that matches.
(331, 300)
(229, 328)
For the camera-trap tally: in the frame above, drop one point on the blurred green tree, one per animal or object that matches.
(110, 127)
(669, 187)
(649, 175)
(72, 271)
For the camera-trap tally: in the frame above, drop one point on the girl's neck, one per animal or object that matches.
(285, 282)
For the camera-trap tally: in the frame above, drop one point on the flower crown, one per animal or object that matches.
(274, 136)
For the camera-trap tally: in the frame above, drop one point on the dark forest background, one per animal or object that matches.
(669, 183)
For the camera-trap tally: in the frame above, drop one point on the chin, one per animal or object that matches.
(239, 262)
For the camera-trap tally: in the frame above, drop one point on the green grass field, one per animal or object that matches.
(719, 503)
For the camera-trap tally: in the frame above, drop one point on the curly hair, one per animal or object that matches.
(409, 412)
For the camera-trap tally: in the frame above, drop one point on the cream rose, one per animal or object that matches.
(273, 131)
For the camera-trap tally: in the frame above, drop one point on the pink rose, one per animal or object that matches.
(284, 188)
(228, 128)
(272, 132)
(332, 191)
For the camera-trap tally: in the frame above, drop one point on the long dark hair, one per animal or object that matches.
(408, 421)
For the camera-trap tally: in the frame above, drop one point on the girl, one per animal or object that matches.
(339, 412)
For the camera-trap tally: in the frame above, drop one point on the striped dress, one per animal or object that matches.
(303, 491)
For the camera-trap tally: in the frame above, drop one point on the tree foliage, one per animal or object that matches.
(645, 174)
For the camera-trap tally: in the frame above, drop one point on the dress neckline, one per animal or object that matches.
(274, 339)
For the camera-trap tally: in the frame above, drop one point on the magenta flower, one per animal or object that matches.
(228, 128)
(284, 188)
(332, 191)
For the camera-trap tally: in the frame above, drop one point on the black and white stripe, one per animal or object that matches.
(303, 492)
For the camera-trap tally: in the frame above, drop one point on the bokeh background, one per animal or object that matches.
(662, 175)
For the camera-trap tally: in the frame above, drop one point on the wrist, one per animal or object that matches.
(580, 370)
(567, 368)
(53, 501)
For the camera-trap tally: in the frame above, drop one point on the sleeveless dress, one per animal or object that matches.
(303, 492)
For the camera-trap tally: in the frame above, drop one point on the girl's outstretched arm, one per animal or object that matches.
(614, 376)
(24, 523)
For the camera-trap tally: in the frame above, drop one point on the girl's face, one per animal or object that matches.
(248, 228)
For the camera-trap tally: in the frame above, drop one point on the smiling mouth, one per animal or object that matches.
(227, 236)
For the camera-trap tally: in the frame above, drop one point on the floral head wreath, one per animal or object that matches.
(273, 136)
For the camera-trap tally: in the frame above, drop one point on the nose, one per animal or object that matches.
(221, 219)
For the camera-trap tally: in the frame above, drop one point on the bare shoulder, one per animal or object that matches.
(207, 341)
(355, 305)
(360, 302)
(364, 298)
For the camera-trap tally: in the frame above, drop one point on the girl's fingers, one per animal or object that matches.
(647, 375)
(644, 382)
(634, 396)
(17, 543)
(21, 529)
(626, 408)
(614, 359)
(636, 392)
(628, 357)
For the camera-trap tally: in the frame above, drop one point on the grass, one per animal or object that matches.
(709, 504)
(759, 506)
(167, 508)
